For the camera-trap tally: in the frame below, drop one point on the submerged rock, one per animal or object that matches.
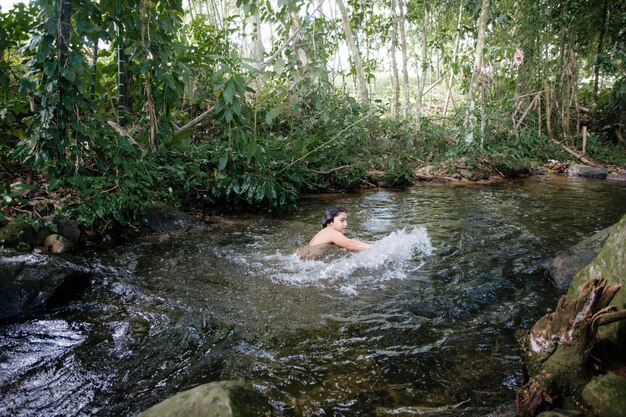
(162, 218)
(578, 170)
(216, 399)
(607, 395)
(31, 282)
(567, 264)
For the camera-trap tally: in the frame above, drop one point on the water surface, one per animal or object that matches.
(424, 323)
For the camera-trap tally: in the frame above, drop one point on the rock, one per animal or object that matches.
(162, 218)
(473, 175)
(22, 235)
(607, 395)
(567, 264)
(31, 282)
(216, 399)
(510, 167)
(610, 264)
(65, 227)
(578, 170)
(616, 176)
(57, 244)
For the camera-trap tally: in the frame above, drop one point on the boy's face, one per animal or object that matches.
(340, 223)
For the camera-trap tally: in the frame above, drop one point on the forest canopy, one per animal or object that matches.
(107, 106)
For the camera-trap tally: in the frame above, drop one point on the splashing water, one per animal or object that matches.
(390, 258)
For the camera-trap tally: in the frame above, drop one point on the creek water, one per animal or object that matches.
(424, 323)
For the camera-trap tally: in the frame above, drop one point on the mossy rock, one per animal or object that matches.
(610, 264)
(20, 234)
(161, 218)
(568, 263)
(216, 399)
(607, 395)
(511, 167)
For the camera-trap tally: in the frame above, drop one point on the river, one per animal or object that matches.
(424, 323)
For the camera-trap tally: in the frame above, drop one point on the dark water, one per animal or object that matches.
(423, 324)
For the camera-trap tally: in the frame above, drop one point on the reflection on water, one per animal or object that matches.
(422, 324)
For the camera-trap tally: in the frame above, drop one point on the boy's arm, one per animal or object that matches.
(350, 244)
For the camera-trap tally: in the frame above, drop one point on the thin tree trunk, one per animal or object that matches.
(94, 65)
(596, 66)
(559, 89)
(356, 56)
(424, 65)
(483, 117)
(454, 57)
(405, 68)
(470, 119)
(259, 49)
(148, 81)
(63, 47)
(548, 109)
(395, 79)
(120, 77)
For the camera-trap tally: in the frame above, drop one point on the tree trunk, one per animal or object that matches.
(94, 65)
(470, 119)
(395, 79)
(405, 64)
(558, 347)
(596, 66)
(152, 117)
(548, 109)
(454, 57)
(63, 47)
(120, 77)
(354, 52)
(424, 65)
(259, 49)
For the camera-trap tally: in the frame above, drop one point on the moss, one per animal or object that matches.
(607, 395)
(511, 167)
(610, 264)
(20, 234)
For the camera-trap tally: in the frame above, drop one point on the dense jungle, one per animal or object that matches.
(112, 105)
(162, 163)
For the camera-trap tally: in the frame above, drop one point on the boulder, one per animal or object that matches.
(578, 170)
(510, 167)
(606, 394)
(162, 218)
(216, 399)
(57, 244)
(32, 282)
(21, 234)
(567, 264)
(610, 264)
(65, 227)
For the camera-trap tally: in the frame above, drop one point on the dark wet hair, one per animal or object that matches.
(331, 213)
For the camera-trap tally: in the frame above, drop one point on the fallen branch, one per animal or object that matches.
(323, 144)
(576, 155)
(195, 121)
(119, 129)
(433, 85)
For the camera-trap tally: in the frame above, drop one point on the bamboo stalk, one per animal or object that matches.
(539, 116)
(548, 114)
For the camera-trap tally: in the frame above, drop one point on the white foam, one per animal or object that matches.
(390, 258)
